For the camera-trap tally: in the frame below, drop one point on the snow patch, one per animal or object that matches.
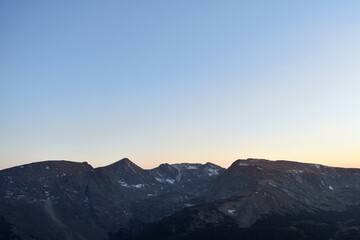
(159, 179)
(191, 167)
(189, 205)
(213, 171)
(296, 171)
(122, 183)
(179, 169)
(167, 180)
(243, 164)
(231, 211)
(171, 181)
(272, 184)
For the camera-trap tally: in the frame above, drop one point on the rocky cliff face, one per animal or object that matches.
(67, 200)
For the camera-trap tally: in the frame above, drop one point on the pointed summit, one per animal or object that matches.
(210, 164)
(127, 173)
(125, 162)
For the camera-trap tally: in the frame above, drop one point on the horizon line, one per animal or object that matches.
(126, 158)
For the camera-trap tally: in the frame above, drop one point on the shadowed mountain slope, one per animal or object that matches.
(68, 200)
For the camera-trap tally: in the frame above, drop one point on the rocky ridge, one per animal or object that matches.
(68, 200)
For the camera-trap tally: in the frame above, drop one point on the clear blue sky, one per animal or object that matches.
(179, 81)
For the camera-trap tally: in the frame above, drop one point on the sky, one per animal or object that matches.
(179, 81)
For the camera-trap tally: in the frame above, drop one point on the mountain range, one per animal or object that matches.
(252, 199)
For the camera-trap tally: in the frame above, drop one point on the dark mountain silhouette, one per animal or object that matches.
(252, 199)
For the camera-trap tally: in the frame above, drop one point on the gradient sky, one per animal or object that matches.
(180, 81)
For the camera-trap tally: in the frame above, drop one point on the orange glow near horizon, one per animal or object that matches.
(182, 82)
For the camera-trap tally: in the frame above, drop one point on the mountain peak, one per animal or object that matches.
(210, 164)
(123, 162)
